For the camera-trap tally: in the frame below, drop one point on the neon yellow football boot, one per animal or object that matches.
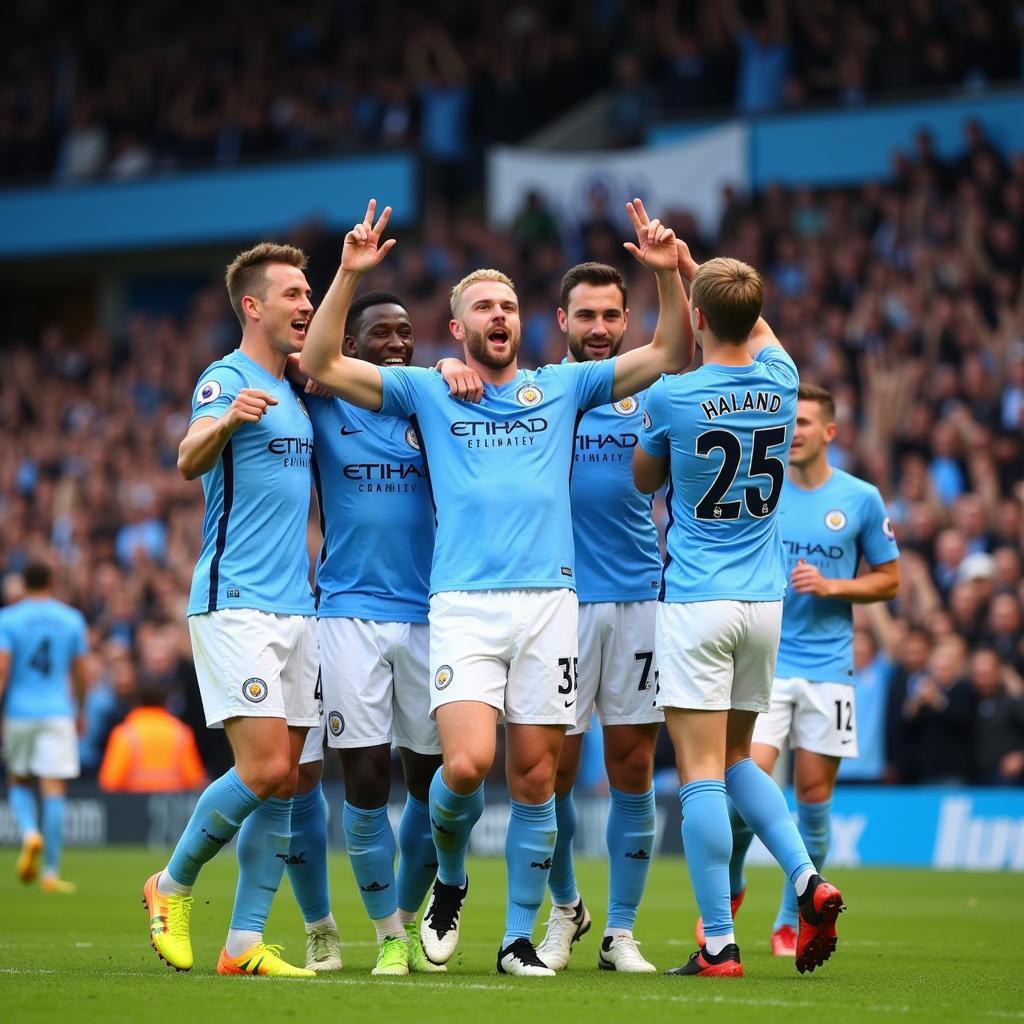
(28, 860)
(168, 925)
(418, 962)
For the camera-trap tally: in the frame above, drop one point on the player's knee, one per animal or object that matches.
(633, 769)
(533, 785)
(464, 771)
(817, 791)
(270, 775)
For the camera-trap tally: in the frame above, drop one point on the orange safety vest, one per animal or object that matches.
(151, 751)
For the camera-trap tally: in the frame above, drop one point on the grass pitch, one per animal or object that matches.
(914, 946)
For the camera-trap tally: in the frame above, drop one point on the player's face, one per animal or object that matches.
(385, 336)
(488, 324)
(811, 434)
(286, 309)
(595, 322)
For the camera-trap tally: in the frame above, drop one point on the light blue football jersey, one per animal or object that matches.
(257, 498)
(831, 527)
(43, 637)
(499, 471)
(617, 556)
(727, 431)
(376, 512)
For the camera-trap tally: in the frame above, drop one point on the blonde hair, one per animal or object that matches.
(730, 295)
(246, 273)
(478, 275)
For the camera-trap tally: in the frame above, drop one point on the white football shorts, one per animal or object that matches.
(513, 649)
(377, 684)
(717, 655)
(253, 664)
(819, 717)
(618, 672)
(44, 747)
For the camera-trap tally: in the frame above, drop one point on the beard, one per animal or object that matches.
(579, 352)
(476, 346)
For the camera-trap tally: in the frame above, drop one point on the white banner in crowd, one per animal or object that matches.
(689, 175)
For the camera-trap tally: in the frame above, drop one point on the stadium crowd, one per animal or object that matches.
(96, 90)
(904, 297)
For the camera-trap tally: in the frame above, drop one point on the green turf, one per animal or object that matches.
(914, 946)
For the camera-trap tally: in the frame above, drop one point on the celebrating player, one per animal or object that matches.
(723, 432)
(43, 645)
(250, 611)
(829, 520)
(503, 609)
(618, 572)
(372, 607)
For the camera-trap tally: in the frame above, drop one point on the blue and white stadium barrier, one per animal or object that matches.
(979, 829)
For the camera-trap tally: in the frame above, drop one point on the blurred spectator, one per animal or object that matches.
(999, 722)
(151, 751)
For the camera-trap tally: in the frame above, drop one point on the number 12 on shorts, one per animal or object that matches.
(841, 707)
(568, 686)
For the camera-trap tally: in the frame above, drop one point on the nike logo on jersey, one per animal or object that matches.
(569, 703)
(348, 431)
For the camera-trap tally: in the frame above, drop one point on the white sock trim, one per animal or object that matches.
(238, 941)
(169, 887)
(714, 944)
(324, 922)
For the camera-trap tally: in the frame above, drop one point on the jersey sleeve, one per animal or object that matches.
(218, 387)
(5, 635)
(779, 364)
(657, 419)
(875, 538)
(592, 382)
(402, 388)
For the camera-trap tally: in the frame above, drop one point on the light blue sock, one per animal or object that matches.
(762, 805)
(307, 856)
(371, 852)
(814, 822)
(263, 843)
(452, 818)
(224, 805)
(417, 858)
(23, 806)
(53, 832)
(562, 879)
(742, 837)
(529, 844)
(707, 843)
(630, 838)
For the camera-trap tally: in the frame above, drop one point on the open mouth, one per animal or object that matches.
(300, 326)
(498, 336)
(394, 361)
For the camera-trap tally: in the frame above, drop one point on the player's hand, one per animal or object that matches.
(807, 579)
(463, 382)
(655, 244)
(249, 407)
(362, 250)
(1011, 765)
(316, 390)
(688, 266)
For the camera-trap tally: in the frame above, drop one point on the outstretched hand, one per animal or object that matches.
(362, 250)
(655, 244)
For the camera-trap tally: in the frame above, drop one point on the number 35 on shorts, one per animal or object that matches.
(569, 682)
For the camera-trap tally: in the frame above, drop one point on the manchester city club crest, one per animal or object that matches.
(336, 723)
(835, 520)
(411, 439)
(626, 406)
(443, 676)
(529, 395)
(209, 391)
(254, 690)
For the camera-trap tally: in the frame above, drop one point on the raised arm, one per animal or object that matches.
(207, 437)
(671, 348)
(355, 380)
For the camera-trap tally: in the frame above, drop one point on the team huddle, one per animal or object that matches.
(489, 557)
